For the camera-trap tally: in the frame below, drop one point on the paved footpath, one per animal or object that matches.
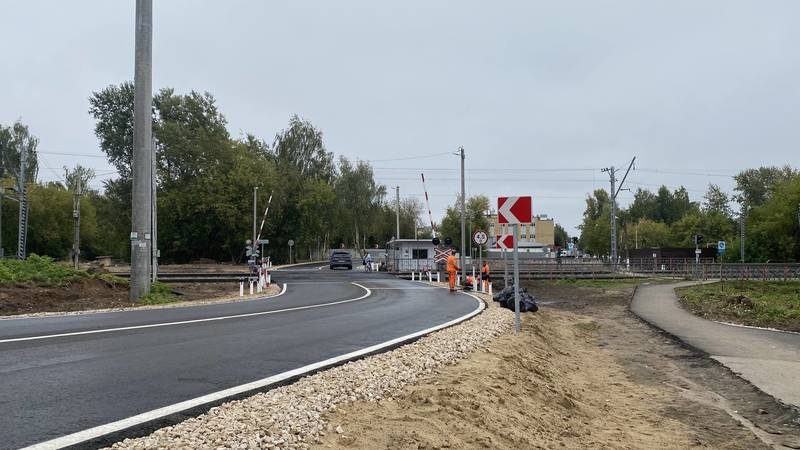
(768, 359)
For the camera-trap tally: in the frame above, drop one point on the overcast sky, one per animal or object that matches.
(541, 95)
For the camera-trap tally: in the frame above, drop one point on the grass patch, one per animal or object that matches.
(602, 283)
(770, 304)
(37, 271)
(160, 294)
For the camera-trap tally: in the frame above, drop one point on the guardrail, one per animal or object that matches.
(670, 268)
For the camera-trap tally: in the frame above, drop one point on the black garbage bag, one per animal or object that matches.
(527, 303)
(503, 294)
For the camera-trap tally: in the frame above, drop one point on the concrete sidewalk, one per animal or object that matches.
(768, 359)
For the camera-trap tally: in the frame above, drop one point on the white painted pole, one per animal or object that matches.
(490, 288)
(241, 289)
(516, 279)
(438, 277)
(430, 277)
(269, 279)
(412, 275)
(251, 287)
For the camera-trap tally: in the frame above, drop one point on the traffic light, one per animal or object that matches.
(436, 241)
(448, 242)
(698, 239)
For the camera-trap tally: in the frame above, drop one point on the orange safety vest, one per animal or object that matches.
(452, 265)
(485, 269)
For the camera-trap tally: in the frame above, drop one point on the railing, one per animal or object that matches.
(593, 269)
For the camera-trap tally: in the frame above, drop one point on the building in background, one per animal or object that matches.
(537, 237)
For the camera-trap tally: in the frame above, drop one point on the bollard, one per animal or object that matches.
(430, 277)
(269, 279)
(490, 288)
(241, 288)
(251, 287)
(412, 275)
(474, 284)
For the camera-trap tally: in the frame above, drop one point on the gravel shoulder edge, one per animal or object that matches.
(146, 423)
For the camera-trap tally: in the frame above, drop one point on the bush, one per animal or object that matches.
(160, 293)
(37, 271)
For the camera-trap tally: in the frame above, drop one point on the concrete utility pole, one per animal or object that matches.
(397, 190)
(463, 213)
(154, 195)
(2, 195)
(741, 233)
(255, 212)
(76, 214)
(612, 173)
(22, 195)
(141, 240)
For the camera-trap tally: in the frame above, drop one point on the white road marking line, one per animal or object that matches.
(183, 322)
(92, 433)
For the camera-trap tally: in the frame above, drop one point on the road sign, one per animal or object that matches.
(721, 246)
(505, 241)
(514, 210)
(291, 242)
(440, 255)
(570, 246)
(263, 241)
(480, 237)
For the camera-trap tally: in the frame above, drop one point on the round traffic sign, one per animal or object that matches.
(291, 242)
(480, 237)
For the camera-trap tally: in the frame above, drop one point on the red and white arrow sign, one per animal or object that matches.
(514, 210)
(505, 241)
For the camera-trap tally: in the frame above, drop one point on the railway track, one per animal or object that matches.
(196, 277)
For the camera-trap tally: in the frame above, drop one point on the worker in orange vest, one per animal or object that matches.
(485, 276)
(452, 271)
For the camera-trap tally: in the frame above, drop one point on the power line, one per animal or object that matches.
(88, 155)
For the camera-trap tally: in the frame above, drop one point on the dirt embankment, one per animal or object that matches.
(583, 373)
(91, 294)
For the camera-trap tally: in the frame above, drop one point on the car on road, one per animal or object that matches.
(341, 258)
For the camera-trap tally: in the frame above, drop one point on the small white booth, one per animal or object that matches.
(410, 255)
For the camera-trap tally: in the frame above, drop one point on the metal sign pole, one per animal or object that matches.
(480, 266)
(516, 279)
(505, 268)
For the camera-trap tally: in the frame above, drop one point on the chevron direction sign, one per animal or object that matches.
(505, 241)
(514, 210)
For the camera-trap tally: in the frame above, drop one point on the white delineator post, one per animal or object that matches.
(241, 288)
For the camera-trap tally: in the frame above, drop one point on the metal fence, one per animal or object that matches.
(596, 269)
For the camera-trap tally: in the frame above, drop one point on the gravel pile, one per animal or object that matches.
(291, 416)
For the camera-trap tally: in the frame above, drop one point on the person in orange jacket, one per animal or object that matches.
(452, 271)
(486, 277)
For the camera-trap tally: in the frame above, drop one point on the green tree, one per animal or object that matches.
(716, 201)
(476, 209)
(755, 186)
(773, 228)
(13, 141)
(596, 226)
(561, 236)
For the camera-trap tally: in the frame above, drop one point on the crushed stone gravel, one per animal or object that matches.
(291, 417)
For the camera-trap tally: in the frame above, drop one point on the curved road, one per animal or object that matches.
(65, 374)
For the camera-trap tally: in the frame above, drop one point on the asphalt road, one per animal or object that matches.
(61, 375)
(768, 359)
